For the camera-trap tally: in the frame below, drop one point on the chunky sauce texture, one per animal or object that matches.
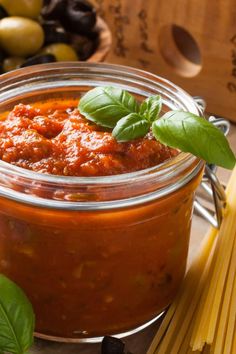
(95, 272)
(55, 138)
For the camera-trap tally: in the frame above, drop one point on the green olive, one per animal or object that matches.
(25, 8)
(20, 36)
(62, 52)
(12, 63)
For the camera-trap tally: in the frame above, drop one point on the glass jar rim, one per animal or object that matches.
(181, 158)
(28, 75)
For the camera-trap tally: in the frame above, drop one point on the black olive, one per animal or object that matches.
(83, 46)
(94, 35)
(54, 9)
(79, 17)
(39, 59)
(2, 55)
(1, 62)
(53, 33)
(46, 2)
(112, 345)
(3, 12)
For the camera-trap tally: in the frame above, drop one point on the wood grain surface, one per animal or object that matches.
(192, 43)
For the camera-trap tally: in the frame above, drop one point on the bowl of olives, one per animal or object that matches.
(45, 31)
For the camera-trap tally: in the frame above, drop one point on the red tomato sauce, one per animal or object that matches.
(95, 272)
(55, 138)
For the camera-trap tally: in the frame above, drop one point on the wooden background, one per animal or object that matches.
(190, 42)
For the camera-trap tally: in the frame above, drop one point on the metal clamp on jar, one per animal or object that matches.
(210, 183)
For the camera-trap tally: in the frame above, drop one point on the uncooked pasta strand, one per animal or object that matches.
(190, 313)
(221, 331)
(162, 329)
(231, 322)
(233, 350)
(213, 294)
(221, 282)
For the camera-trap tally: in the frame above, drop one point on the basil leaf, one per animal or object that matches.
(132, 126)
(16, 318)
(196, 135)
(106, 105)
(151, 107)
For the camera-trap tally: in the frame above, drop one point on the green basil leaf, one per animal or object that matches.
(106, 105)
(151, 107)
(132, 126)
(16, 318)
(196, 135)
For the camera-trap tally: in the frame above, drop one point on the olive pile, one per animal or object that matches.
(37, 32)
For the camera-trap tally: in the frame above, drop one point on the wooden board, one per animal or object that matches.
(192, 43)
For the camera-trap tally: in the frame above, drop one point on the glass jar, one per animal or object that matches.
(95, 255)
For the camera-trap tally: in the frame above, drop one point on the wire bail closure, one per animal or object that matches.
(210, 182)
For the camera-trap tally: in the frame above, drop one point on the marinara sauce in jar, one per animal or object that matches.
(95, 232)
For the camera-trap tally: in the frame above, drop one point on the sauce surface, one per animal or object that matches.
(54, 138)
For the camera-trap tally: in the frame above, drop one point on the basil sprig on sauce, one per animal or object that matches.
(112, 107)
(16, 319)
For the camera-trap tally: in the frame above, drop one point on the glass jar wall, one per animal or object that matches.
(112, 258)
